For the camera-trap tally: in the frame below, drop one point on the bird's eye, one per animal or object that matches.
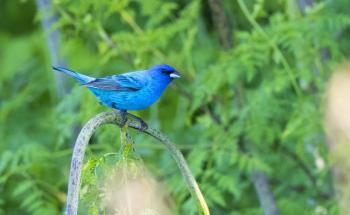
(165, 71)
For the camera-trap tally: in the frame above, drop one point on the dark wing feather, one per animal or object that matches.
(117, 83)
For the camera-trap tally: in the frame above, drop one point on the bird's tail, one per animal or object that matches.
(83, 79)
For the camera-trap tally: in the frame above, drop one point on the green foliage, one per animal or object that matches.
(256, 106)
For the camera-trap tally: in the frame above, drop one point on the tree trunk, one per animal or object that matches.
(262, 187)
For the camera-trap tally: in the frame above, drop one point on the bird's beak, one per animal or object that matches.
(175, 75)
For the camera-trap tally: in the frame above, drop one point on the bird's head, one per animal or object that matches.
(166, 72)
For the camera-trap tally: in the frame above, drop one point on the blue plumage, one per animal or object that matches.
(128, 91)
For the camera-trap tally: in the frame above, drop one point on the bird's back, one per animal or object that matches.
(128, 91)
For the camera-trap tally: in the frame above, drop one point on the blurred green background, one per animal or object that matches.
(250, 100)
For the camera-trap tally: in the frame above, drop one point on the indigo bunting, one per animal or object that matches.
(129, 91)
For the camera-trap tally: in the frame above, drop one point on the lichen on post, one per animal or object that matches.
(115, 118)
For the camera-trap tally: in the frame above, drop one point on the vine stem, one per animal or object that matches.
(260, 30)
(114, 118)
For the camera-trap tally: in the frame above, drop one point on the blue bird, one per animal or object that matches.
(129, 91)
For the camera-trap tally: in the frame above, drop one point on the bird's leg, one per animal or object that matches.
(144, 125)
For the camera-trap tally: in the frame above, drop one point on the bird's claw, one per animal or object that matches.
(124, 118)
(124, 121)
(144, 125)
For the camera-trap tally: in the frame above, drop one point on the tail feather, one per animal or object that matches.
(83, 79)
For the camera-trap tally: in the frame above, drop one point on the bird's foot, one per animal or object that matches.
(143, 124)
(124, 117)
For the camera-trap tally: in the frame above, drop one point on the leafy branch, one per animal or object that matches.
(114, 118)
(274, 46)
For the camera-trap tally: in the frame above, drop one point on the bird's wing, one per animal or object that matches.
(125, 82)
